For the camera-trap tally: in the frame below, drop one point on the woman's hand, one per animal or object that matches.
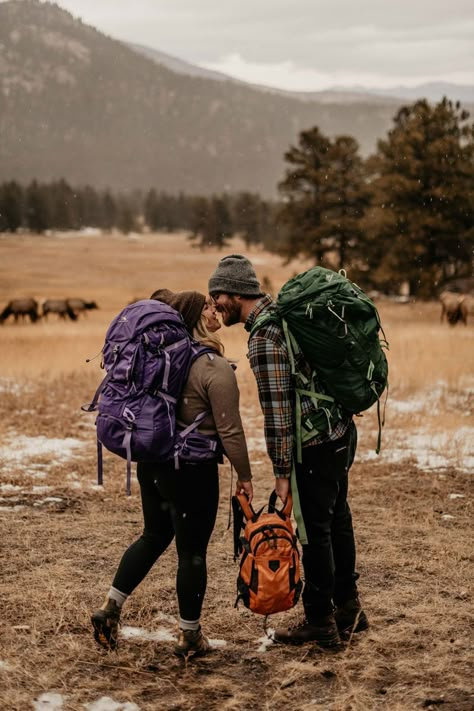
(244, 487)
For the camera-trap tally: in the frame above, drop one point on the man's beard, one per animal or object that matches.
(232, 312)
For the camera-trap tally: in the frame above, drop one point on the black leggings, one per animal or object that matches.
(176, 503)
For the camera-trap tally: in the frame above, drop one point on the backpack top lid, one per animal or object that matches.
(136, 318)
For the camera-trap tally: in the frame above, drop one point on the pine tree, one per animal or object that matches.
(249, 217)
(11, 206)
(211, 222)
(424, 196)
(38, 208)
(325, 195)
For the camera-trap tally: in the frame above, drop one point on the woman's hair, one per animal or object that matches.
(202, 334)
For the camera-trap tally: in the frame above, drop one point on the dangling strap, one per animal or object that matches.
(127, 444)
(93, 405)
(297, 513)
(100, 464)
(230, 495)
(238, 519)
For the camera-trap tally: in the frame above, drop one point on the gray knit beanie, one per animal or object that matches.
(235, 275)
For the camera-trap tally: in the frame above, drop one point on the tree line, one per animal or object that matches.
(40, 207)
(403, 214)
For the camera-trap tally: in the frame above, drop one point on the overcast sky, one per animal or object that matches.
(301, 44)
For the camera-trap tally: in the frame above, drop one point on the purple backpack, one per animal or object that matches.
(147, 355)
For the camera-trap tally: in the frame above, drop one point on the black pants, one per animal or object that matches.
(179, 504)
(329, 557)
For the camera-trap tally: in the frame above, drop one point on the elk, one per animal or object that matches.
(466, 307)
(451, 306)
(59, 307)
(21, 308)
(80, 306)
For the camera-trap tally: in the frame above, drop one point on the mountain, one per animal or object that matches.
(433, 91)
(77, 104)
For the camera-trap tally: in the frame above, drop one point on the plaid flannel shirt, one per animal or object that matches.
(268, 356)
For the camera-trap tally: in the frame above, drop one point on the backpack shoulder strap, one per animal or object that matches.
(264, 319)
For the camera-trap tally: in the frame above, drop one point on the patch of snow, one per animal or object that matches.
(217, 643)
(456, 496)
(106, 703)
(21, 448)
(49, 500)
(17, 507)
(5, 665)
(447, 517)
(10, 487)
(266, 641)
(159, 635)
(49, 701)
(430, 451)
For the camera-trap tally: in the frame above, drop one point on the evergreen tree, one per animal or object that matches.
(109, 211)
(38, 207)
(424, 195)
(249, 217)
(151, 210)
(11, 206)
(211, 222)
(325, 195)
(91, 208)
(63, 206)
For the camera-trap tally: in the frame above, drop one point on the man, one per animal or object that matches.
(330, 598)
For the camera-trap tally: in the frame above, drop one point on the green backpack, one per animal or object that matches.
(336, 327)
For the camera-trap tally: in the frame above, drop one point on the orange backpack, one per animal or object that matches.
(269, 577)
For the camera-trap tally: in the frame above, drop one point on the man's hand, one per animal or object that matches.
(282, 487)
(244, 487)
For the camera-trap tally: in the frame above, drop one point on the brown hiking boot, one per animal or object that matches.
(191, 641)
(322, 631)
(106, 623)
(351, 618)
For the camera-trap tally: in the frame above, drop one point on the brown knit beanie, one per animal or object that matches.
(189, 304)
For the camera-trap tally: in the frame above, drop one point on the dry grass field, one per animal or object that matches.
(62, 536)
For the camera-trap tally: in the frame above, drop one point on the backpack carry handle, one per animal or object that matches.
(249, 512)
(246, 506)
(288, 505)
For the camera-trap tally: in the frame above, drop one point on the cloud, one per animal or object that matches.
(287, 75)
(302, 41)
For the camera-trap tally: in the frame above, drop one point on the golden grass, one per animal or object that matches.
(63, 543)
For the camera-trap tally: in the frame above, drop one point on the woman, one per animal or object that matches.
(182, 504)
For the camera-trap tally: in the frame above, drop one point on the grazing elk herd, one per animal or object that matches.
(28, 308)
(455, 307)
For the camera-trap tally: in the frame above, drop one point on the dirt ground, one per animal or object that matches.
(62, 537)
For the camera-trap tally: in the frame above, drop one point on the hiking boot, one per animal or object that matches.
(351, 618)
(191, 641)
(322, 631)
(106, 623)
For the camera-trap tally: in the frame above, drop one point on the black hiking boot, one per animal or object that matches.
(106, 623)
(191, 641)
(322, 631)
(351, 618)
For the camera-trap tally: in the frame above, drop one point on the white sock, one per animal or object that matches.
(188, 624)
(117, 595)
